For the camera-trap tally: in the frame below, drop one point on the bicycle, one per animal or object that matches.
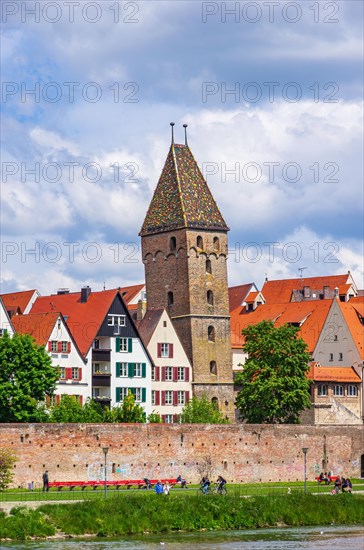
(220, 489)
(204, 490)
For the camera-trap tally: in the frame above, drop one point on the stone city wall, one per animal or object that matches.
(74, 452)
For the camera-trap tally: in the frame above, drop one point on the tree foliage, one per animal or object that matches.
(275, 387)
(26, 377)
(154, 418)
(128, 411)
(7, 461)
(200, 410)
(69, 409)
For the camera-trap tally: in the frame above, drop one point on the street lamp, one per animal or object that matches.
(105, 451)
(304, 450)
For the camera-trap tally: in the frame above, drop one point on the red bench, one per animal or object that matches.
(128, 483)
(330, 479)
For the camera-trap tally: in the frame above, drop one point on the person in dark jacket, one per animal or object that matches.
(45, 481)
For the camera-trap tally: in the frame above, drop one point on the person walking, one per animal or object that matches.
(45, 481)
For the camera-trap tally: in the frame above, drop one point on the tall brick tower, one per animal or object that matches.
(184, 250)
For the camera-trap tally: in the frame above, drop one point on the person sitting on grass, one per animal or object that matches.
(337, 485)
(346, 486)
(205, 484)
(158, 489)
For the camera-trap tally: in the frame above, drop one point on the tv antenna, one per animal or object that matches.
(301, 269)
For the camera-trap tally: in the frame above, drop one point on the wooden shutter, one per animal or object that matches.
(156, 374)
(159, 350)
(157, 397)
(133, 391)
(170, 348)
(163, 377)
(144, 395)
(117, 343)
(187, 374)
(69, 347)
(131, 370)
(130, 345)
(68, 373)
(187, 396)
(175, 374)
(118, 394)
(163, 417)
(144, 370)
(118, 368)
(49, 346)
(175, 399)
(163, 397)
(176, 418)
(80, 375)
(59, 346)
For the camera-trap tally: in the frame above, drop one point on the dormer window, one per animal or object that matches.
(173, 244)
(199, 242)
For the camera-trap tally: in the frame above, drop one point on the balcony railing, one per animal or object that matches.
(101, 355)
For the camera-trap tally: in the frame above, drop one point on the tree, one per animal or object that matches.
(129, 411)
(154, 418)
(26, 377)
(275, 387)
(200, 410)
(7, 461)
(69, 409)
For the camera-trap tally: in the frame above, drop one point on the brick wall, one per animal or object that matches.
(239, 452)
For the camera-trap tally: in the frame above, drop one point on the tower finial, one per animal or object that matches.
(172, 124)
(185, 127)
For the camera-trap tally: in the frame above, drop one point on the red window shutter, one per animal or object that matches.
(175, 374)
(157, 397)
(163, 397)
(80, 375)
(175, 399)
(170, 347)
(187, 374)
(49, 346)
(159, 350)
(68, 373)
(69, 347)
(187, 396)
(176, 418)
(163, 377)
(59, 346)
(157, 374)
(58, 399)
(163, 417)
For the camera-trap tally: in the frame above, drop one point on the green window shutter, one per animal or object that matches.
(130, 345)
(130, 370)
(118, 367)
(144, 394)
(133, 391)
(118, 392)
(117, 344)
(144, 370)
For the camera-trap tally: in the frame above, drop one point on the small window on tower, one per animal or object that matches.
(173, 244)
(208, 266)
(215, 403)
(211, 333)
(216, 243)
(210, 297)
(199, 242)
(170, 298)
(213, 367)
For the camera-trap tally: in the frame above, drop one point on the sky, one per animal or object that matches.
(273, 98)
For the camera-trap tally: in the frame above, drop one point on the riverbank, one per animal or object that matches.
(152, 513)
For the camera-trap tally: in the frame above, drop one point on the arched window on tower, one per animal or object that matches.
(170, 298)
(215, 403)
(208, 266)
(210, 297)
(211, 333)
(216, 243)
(172, 244)
(213, 367)
(199, 242)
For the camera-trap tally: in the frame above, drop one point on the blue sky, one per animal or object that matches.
(272, 94)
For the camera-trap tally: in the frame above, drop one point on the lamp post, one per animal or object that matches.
(304, 450)
(105, 451)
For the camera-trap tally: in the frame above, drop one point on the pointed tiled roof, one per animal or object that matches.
(182, 198)
(38, 325)
(18, 301)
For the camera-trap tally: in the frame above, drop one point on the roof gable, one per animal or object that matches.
(38, 325)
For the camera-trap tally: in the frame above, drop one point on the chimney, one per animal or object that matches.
(336, 291)
(306, 292)
(85, 293)
(142, 308)
(326, 292)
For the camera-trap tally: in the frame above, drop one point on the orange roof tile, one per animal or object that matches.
(353, 312)
(251, 297)
(237, 294)
(15, 300)
(280, 291)
(130, 292)
(38, 325)
(333, 374)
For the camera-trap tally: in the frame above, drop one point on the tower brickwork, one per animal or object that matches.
(184, 250)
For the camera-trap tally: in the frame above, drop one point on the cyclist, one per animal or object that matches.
(222, 482)
(205, 484)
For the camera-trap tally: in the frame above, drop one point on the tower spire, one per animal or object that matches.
(185, 127)
(172, 124)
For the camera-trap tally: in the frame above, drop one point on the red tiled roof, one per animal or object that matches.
(83, 319)
(333, 374)
(15, 300)
(129, 292)
(237, 295)
(280, 291)
(251, 296)
(351, 311)
(38, 325)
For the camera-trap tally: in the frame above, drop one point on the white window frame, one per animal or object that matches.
(123, 370)
(137, 370)
(320, 391)
(62, 373)
(75, 371)
(123, 344)
(339, 390)
(181, 397)
(138, 395)
(153, 373)
(153, 397)
(164, 350)
(181, 376)
(169, 418)
(54, 346)
(169, 374)
(123, 393)
(352, 390)
(169, 397)
(64, 348)
(120, 320)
